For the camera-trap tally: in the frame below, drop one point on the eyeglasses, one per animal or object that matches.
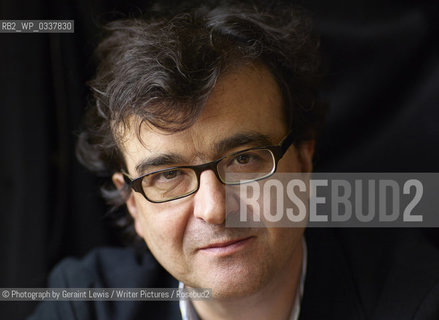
(240, 167)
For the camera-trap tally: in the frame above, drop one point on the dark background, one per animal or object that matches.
(382, 85)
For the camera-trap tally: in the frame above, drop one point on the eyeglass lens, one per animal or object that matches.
(237, 168)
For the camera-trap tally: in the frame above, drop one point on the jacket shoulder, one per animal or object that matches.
(109, 268)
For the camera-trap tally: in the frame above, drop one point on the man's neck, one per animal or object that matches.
(274, 301)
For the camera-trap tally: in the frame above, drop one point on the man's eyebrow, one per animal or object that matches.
(254, 139)
(220, 148)
(158, 160)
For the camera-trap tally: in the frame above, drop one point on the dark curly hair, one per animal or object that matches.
(162, 68)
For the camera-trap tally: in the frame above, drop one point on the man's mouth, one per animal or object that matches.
(227, 247)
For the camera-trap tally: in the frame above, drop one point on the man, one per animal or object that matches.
(180, 101)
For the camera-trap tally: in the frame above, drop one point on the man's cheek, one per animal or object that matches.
(160, 238)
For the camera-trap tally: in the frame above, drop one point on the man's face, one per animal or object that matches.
(188, 236)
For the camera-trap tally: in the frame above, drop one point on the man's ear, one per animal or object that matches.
(119, 182)
(306, 152)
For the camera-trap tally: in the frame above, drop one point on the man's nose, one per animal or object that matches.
(209, 201)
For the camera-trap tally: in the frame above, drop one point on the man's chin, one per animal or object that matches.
(235, 281)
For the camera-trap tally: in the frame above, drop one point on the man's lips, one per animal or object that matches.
(228, 246)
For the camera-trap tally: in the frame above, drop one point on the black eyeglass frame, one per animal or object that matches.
(278, 152)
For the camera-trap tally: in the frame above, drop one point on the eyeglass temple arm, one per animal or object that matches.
(126, 177)
(287, 142)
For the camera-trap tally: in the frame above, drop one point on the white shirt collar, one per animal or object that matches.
(188, 311)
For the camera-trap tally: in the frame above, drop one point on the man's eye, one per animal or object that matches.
(162, 178)
(168, 175)
(243, 158)
(258, 160)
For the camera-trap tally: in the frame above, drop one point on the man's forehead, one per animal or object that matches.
(252, 84)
